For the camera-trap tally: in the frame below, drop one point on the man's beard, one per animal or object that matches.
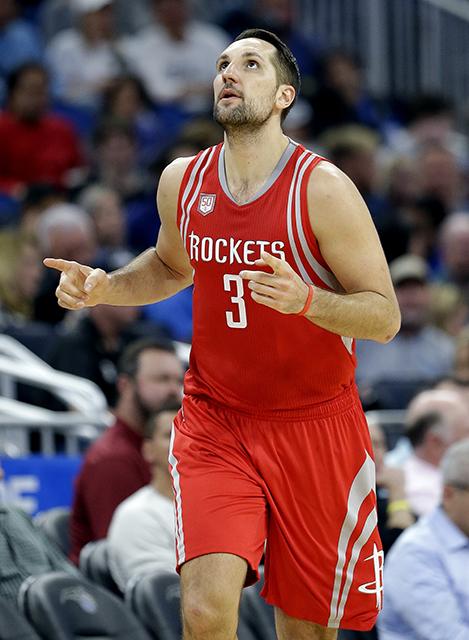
(146, 409)
(242, 117)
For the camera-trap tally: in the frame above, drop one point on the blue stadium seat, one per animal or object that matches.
(64, 607)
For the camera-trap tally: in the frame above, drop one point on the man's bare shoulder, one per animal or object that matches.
(328, 183)
(173, 174)
(170, 183)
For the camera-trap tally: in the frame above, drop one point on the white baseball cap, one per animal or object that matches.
(88, 6)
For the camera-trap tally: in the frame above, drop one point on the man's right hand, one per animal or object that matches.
(80, 286)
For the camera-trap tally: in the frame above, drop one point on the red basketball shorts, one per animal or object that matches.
(302, 488)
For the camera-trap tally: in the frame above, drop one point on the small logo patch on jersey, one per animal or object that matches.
(206, 203)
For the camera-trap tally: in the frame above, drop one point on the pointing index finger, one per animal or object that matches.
(58, 264)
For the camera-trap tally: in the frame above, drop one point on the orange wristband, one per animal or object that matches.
(308, 301)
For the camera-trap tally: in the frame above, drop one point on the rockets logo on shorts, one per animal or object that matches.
(377, 585)
(206, 203)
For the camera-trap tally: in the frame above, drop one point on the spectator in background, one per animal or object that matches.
(394, 514)
(150, 375)
(62, 229)
(454, 247)
(36, 146)
(461, 358)
(82, 59)
(420, 352)
(341, 97)
(431, 121)
(117, 167)
(36, 199)
(141, 535)
(91, 346)
(105, 208)
(353, 149)
(426, 572)
(19, 42)
(424, 216)
(436, 419)
(174, 56)
(57, 15)
(127, 101)
(441, 177)
(20, 276)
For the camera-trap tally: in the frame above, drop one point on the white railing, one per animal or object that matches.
(86, 415)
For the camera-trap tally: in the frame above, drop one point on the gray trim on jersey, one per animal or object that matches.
(281, 164)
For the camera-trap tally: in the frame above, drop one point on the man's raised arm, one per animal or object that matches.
(157, 273)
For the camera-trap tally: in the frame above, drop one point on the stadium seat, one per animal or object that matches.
(256, 613)
(64, 607)
(95, 566)
(55, 524)
(155, 599)
(13, 626)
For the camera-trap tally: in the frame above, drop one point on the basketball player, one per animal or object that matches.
(271, 443)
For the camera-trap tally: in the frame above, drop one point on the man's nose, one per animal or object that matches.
(229, 73)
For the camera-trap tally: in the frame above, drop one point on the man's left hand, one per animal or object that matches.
(282, 290)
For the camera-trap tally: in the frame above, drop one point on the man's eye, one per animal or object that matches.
(222, 66)
(252, 64)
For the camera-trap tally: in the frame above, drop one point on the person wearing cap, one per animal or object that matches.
(420, 352)
(83, 59)
(426, 571)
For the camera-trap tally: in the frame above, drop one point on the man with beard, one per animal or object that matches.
(150, 375)
(271, 442)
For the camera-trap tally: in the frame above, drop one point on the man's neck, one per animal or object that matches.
(251, 157)
(161, 483)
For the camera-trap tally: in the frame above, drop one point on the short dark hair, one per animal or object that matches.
(15, 76)
(417, 430)
(171, 406)
(128, 362)
(284, 61)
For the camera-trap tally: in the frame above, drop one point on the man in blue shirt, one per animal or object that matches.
(426, 574)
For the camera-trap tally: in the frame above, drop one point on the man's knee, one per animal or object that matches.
(210, 591)
(208, 615)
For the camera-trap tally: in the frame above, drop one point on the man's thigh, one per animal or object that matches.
(289, 628)
(220, 502)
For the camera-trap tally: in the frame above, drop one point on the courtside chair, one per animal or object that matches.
(94, 564)
(55, 524)
(13, 626)
(64, 607)
(156, 600)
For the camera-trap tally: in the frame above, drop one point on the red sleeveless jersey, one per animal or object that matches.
(244, 355)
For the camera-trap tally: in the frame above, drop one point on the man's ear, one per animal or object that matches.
(285, 95)
(122, 383)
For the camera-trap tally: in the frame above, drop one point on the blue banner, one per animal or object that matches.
(38, 483)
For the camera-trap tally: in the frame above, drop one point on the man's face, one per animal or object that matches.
(158, 380)
(456, 503)
(414, 301)
(30, 97)
(246, 86)
(158, 446)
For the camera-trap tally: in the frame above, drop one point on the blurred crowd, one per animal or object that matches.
(97, 97)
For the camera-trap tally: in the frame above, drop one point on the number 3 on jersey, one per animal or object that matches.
(230, 279)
